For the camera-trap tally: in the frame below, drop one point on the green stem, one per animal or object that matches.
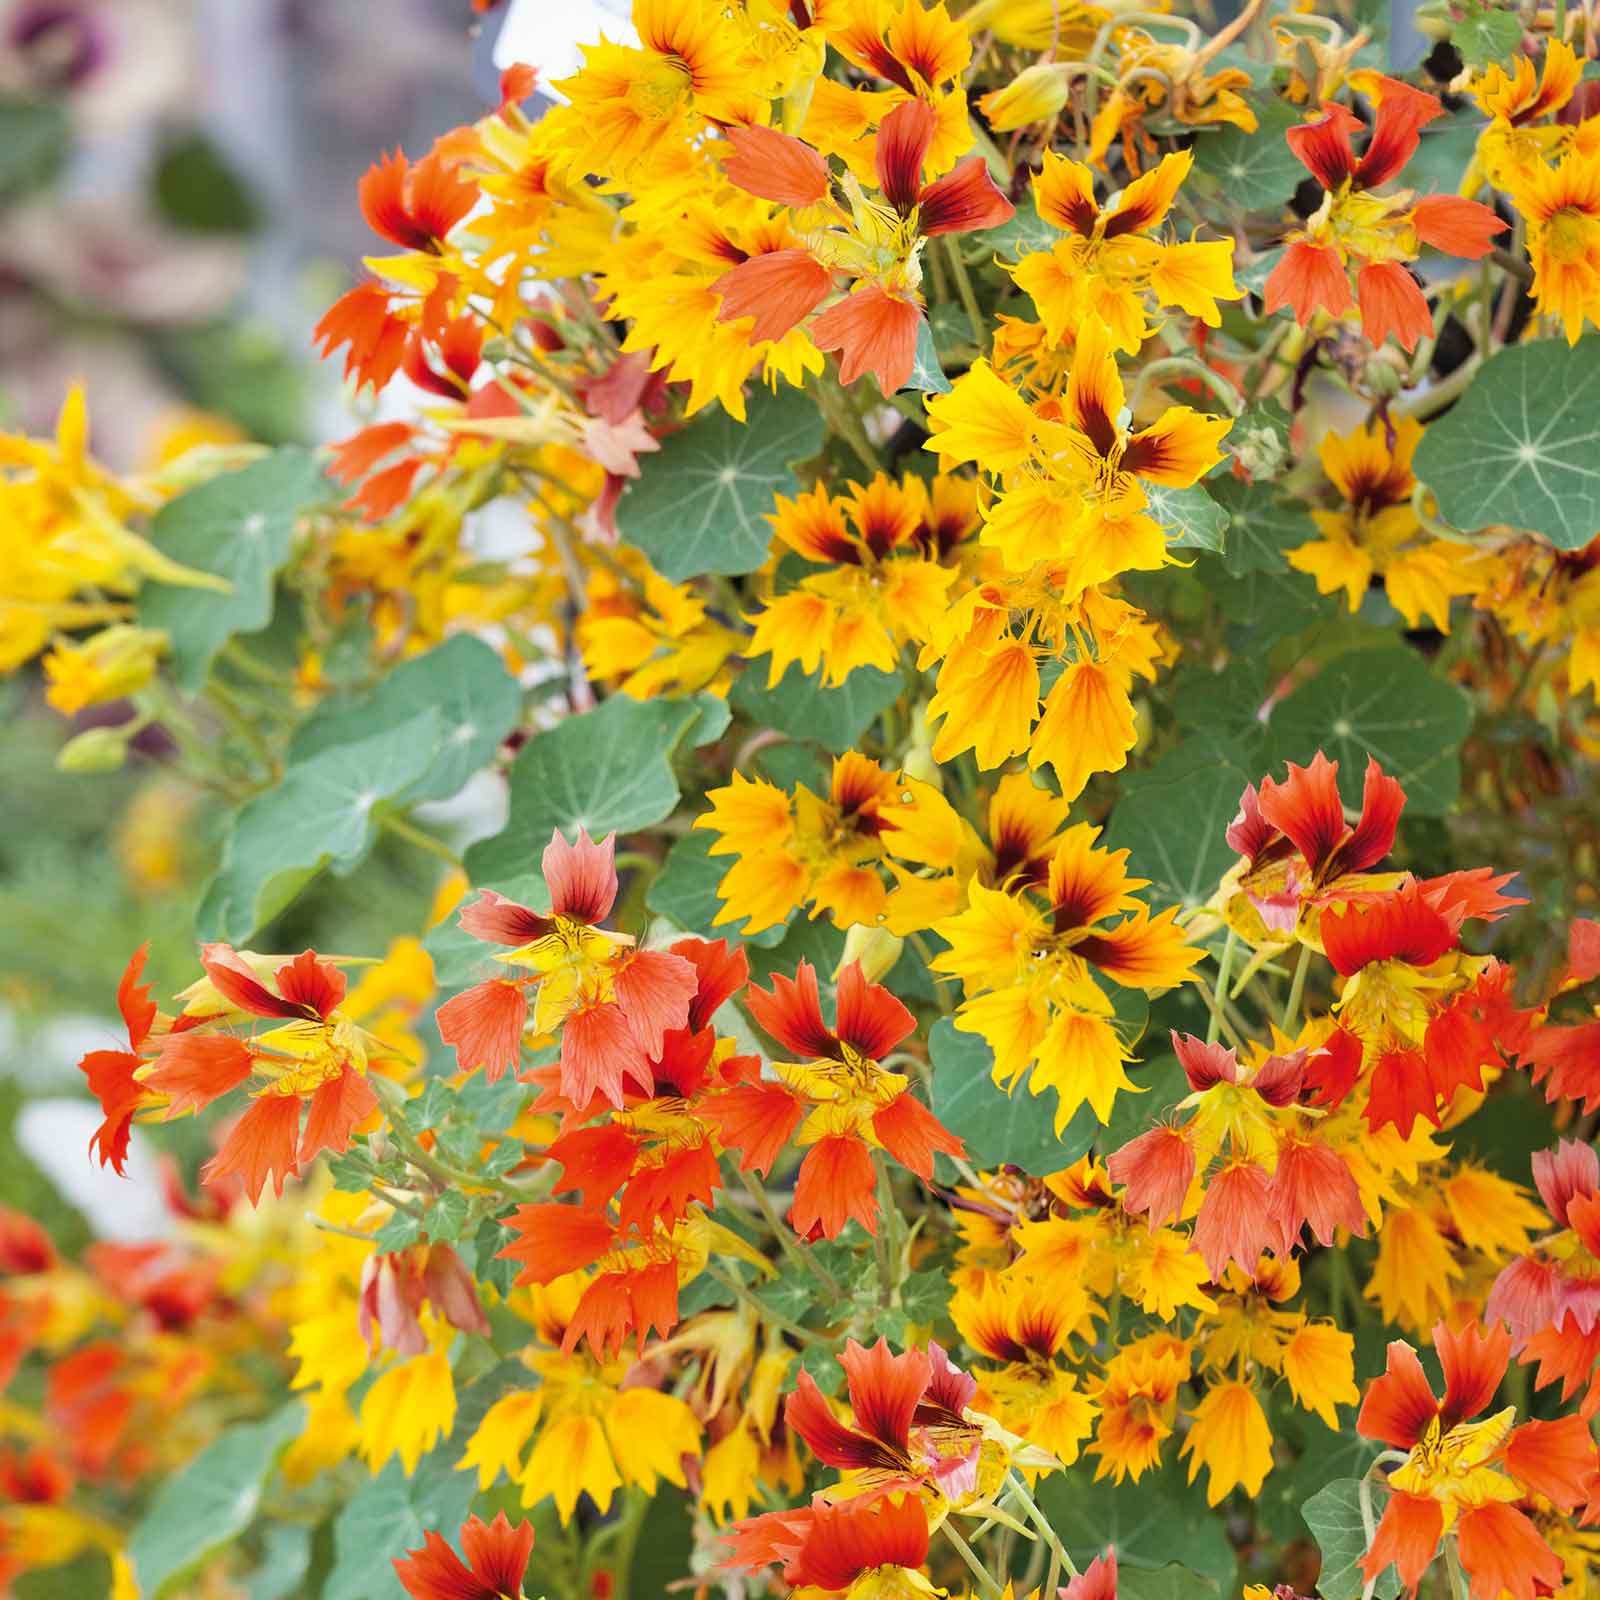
(766, 1313)
(889, 1262)
(1058, 1551)
(404, 828)
(1219, 993)
(941, 990)
(841, 417)
(1187, 367)
(252, 666)
(969, 300)
(986, 1584)
(1297, 986)
(786, 1240)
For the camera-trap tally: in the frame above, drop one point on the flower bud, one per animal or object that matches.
(1036, 94)
(97, 750)
(875, 948)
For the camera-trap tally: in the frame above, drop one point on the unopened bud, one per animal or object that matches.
(875, 948)
(1036, 94)
(95, 750)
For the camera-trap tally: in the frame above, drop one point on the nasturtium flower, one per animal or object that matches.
(1029, 972)
(1377, 533)
(875, 244)
(1231, 1440)
(834, 1099)
(630, 107)
(859, 1548)
(1110, 266)
(613, 1001)
(657, 639)
(1466, 1477)
(410, 1406)
(589, 1434)
(882, 582)
(1138, 1401)
(1373, 235)
(825, 852)
(1560, 204)
(1519, 139)
(496, 1563)
(1170, 80)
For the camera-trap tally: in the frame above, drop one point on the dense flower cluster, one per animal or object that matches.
(1026, 937)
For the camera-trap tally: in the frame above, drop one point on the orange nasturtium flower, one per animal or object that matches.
(1466, 1477)
(1356, 228)
(497, 1561)
(875, 244)
(614, 1002)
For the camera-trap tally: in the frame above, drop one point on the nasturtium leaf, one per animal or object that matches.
(389, 1515)
(1172, 820)
(211, 1502)
(607, 770)
(1255, 170)
(701, 503)
(685, 890)
(1522, 446)
(801, 707)
(1018, 1128)
(285, 1561)
(1193, 520)
(1147, 1521)
(1486, 33)
(1265, 524)
(1164, 1583)
(323, 814)
(478, 703)
(34, 139)
(1221, 715)
(1381, 703)
(1333, 1514)
(1024, 234)
(239, 527)
(1252, 275)
(926, 372)
(1264, 606)
(1323, 1455)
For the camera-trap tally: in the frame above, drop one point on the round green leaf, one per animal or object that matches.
(1018, 1128)
(801, 707)
(1172, 820)
(1522, 445)
(1333, 1515)
(701, 503)
(607, 770)
(238, 527)
(323, 814)
(1255, 170)
(1191, 517)
(1381, 703)
(465, 681)
(211, 1502)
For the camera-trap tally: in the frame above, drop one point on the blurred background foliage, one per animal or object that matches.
(176, 208)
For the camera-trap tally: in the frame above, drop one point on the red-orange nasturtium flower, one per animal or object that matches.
(614, 1002)
(497, 1561)
(875, 245)
(1466, 1476)
(851, 1104)
(1358, 230)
